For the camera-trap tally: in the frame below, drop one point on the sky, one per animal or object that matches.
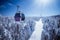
(31, 8)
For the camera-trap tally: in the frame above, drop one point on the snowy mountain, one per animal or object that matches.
(12, 30)
(51, 26)
(30, 28)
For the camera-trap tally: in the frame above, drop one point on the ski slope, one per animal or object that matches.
(36, 35)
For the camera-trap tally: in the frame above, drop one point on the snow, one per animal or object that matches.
(30, 29)
(38, 30)
(15, 30)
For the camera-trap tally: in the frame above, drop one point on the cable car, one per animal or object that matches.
(19, 16)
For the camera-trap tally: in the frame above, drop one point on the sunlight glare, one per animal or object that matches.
(43, 2)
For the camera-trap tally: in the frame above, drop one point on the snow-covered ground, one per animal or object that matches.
(36, 35)
(46, 28)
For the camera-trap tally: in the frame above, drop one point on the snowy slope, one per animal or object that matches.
(46, 28)
(36, 35)
(12, 30)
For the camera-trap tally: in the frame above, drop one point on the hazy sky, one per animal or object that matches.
(30, 7)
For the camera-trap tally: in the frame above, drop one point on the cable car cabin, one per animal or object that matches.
(19, 17)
